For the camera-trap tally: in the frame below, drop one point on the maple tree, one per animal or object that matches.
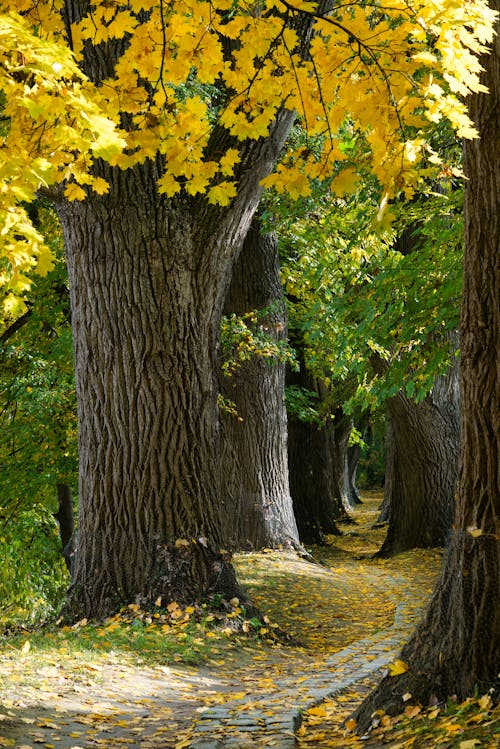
(153, 128)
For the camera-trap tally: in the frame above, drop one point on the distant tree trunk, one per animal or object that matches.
(254, 463)
(421, 476)
(316, 472)
(64, 517)
(311, 481)
(353, 456)
(455, 648)
(390, 449)
(340, 429)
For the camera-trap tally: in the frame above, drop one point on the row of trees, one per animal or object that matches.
(259, 476)
(154, 148)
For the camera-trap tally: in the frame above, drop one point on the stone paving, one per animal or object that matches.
(271, 720)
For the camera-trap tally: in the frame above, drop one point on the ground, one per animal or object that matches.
(177, 678)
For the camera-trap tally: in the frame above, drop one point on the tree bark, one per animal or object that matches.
(311, 481)
(455, 648)
(340, 431)
(148, 277)
(317, 470)
(390, 449)
(421, 476)
(64, 517)
(254, 444)
(353, 456)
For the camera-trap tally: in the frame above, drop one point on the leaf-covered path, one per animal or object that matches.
(349, 614)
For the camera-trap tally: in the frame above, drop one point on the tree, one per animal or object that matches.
(454, 650)
(155, 148)
(311, 447)
(421, 472)
(254, 463)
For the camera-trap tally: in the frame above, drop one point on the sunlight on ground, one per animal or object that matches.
(151, 678)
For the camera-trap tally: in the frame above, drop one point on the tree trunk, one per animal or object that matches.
(390, 450)
(148, 277)
(144, 335)
(421, 477)
(254, 444)
(64, 517)
(340, 430)
(316, 470)
(311, 481)
(455, 648)
(353, 456)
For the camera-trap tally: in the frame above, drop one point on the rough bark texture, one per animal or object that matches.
(385, 509)
(317, 471)
(148, 280)
(421, 473)
(455, 647)
(311, 481)
(254, 445)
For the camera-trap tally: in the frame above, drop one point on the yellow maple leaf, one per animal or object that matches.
(397, 667)
(318, 710)
(346, 182)
(168, 185)
(474, 532)
(198, 183)
(100, 186)
(227, 162)
(74, 192)
(222, 194)
(45, 261)
(485, 702)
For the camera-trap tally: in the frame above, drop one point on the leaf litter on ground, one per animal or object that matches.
(143, 678)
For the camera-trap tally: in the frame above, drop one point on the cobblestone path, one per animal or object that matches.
(272, 719)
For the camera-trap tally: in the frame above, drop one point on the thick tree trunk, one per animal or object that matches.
(254, 444)
(455, 648)
(144, 334)
(421, 477)
(148, 279)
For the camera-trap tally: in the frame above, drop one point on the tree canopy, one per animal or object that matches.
(182, 73)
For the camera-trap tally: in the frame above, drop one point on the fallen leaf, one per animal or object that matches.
(412, 711)
(397, 667)
(485, 702)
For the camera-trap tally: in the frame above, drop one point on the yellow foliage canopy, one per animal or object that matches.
(182, 67)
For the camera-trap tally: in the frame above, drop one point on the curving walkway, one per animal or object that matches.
(272, 719)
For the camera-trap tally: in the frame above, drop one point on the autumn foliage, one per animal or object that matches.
(185, 68)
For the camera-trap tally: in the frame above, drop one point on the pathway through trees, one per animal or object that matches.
(349, 615)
